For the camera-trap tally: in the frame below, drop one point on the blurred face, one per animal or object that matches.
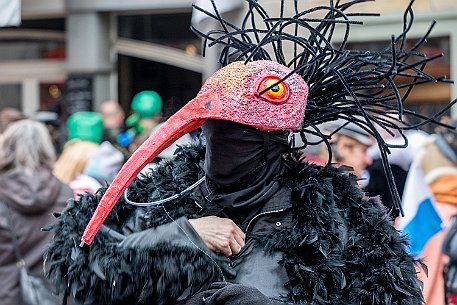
(353, 154)
(113, 115)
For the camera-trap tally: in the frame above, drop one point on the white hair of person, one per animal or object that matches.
(26, 145)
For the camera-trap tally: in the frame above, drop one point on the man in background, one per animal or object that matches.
(352, 143)
(113, 120)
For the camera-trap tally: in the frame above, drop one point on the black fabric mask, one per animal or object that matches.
(236, 152)
(241, 165)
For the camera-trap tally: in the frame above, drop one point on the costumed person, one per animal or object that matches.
(29, 194)
(438, 161)
(147, 112)
(85, 133)
(238, 221)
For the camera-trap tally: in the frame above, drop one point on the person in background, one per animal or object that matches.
(400, 160)
(377, 184)
(438, 161)
(32, 193)
(351, 144)
(100, 170)
(147, 107)
(85, 132)
(113, 120)
(73, 160)
(52, 122)
(169, 108)
(9, 115)
(169, 152)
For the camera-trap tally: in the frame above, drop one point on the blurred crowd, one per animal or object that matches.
(43, 163)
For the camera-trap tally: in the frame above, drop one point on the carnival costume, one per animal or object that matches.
(311, 235)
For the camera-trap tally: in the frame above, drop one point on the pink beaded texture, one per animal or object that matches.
(236, 86)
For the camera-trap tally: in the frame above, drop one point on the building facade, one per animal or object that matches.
(71, 55)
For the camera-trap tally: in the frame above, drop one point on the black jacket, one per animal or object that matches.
(337, 246)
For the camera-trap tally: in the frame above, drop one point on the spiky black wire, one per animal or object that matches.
(359, 86)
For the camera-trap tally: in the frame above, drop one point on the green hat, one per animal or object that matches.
(87, 126)
(147, 104)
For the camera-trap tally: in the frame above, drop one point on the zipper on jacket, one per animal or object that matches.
(261, 214)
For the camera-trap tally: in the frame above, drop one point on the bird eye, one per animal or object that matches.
(278, 93)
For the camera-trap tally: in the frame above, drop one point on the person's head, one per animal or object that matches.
(73, 159)
(352, 145)
(147, 104)
(147, 107)
(440, 152)
(26, 145)
(113, 114)
(9, 115)
(52, 122)
(86, 126)
(104, 163)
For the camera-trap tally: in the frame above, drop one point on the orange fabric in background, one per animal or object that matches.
(445, 191)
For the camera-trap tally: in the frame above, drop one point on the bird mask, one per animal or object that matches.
(363, 87)
(262, 94)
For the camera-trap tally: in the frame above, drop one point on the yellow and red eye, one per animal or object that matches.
(277, 92)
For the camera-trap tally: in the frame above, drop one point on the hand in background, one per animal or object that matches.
(219, 234)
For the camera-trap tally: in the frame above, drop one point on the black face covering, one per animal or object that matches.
(235, 153)
(241, 165)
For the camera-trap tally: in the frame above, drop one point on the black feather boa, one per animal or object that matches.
(342, 248)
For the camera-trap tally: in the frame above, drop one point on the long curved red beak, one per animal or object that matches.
(189, 118)
(232, 93)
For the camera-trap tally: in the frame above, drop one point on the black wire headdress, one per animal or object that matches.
(357, 86)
